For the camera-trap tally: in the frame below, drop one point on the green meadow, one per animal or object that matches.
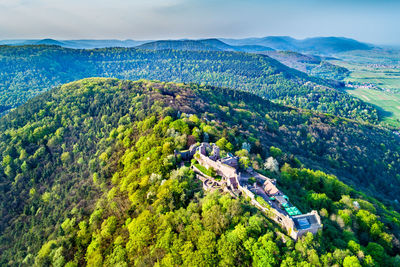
(380, 68)
(387, 103)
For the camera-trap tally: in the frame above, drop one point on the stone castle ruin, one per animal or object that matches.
(278, 206)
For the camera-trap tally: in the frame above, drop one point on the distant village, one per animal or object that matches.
(259, 189)
(363, 86)
(383, 66)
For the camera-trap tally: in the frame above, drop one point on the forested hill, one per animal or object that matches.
(26, 71)
(88, 177)
(312, 65)
(77, 44)
(188, 45)
(201, 45)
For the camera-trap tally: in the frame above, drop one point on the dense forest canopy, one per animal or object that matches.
(201, 45)
(88, 176)
(26, 71)
(310, 64)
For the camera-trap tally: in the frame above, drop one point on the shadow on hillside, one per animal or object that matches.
(381, 112)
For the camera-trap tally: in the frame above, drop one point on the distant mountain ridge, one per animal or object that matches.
(212, 44)
(50, 42)
(188, 45)
(76, 44)
(318, 45)
(315, 45)
(202, 45)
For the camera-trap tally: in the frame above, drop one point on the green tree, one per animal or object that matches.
(351, 261)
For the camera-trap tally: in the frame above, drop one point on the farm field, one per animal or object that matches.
(387, 78)
(388, 103)
(380, 68)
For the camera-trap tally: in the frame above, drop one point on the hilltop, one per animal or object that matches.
(187, 45)
(89, 177)
(201, 45)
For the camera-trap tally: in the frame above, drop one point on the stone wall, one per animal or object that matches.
(302, 232)
(285, 221)
(221, 169)
(247, 192)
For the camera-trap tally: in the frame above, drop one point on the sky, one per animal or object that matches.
(373, 21)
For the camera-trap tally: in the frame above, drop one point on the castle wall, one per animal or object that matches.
(247, 192)
(227, 170)
(223, 170)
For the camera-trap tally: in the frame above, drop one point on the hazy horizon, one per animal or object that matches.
(368, 21)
